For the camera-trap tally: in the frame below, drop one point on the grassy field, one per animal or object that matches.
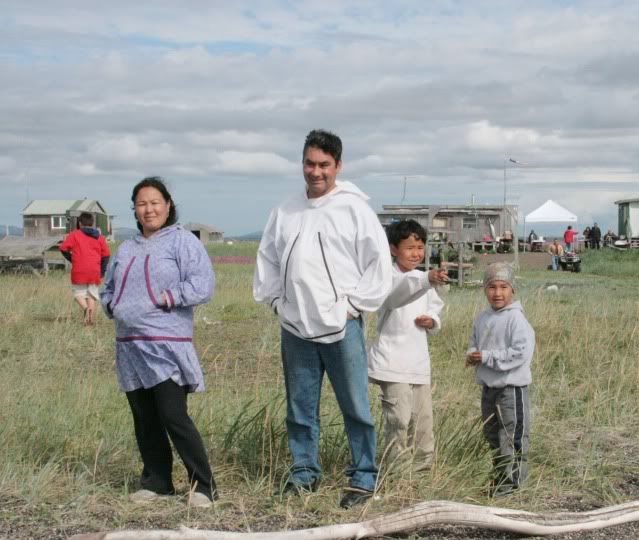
(68, 456)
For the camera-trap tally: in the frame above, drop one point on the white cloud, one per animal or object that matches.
(254, 163)
(206, 91)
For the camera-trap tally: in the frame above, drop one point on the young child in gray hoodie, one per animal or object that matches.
(501, 349)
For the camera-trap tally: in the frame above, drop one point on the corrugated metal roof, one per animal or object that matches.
(45, 207)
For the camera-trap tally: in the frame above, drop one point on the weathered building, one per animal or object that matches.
(456, 223)
(52, 218)
(629, 220)
(205, 233)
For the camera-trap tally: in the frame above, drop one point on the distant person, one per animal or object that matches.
(610, 238)
(152, 287)
(398, 360)
(556, 250)
(88, 253)
(595, 236)
(587, 237)
(501, 349)
(569, 238)
(532, 236)
(436, 257)
(322, 262)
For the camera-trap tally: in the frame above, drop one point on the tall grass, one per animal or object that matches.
(68, 450)
(611, 262)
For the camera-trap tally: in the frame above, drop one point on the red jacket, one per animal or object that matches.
(87, 251)
(569, 236)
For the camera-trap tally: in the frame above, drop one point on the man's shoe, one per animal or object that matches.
(199, 500)
(354, 496)
(293, 488)
(145, 496)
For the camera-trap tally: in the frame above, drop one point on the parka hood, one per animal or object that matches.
(159, 234)
(515, 305)
(341, 188)
(91, 231)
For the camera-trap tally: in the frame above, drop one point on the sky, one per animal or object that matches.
(217, 98)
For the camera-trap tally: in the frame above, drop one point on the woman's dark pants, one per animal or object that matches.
(160, 413)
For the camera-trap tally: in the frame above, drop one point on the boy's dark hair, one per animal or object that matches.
(326, 141)
(158, 183)
(401, 230)
(85, 219)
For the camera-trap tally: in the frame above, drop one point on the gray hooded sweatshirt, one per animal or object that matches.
(507, 343)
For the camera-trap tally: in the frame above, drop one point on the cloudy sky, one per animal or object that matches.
(218, 96)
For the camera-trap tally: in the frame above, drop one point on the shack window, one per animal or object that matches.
(440, 222)
(58, 222)
(470, 222)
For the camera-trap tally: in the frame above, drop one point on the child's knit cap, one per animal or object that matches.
(499, 271)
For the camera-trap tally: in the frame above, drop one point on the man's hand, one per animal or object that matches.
(424, 321)
(473, 358)
(438, 276)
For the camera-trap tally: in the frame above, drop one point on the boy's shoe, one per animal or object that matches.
(293, 488)
(145, 496)
(354, 496)
(199, 500)
(503, 490)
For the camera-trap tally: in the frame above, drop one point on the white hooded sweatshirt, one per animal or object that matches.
(400, 352)
(320, 259)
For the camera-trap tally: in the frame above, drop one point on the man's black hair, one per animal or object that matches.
(326, 141)
(85, 219)
(401, 230)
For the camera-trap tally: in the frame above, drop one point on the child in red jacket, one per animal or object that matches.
(88, 253)
(569, 238)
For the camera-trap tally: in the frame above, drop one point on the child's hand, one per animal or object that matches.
(473, 358)
(424, 321)
(438, 276)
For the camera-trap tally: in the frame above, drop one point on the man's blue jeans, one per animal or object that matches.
(554, 261)
(346, 366)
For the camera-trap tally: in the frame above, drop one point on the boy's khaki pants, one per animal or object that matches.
(407, 410)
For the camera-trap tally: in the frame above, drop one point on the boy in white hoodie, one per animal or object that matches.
(398, 360)
(501, 349)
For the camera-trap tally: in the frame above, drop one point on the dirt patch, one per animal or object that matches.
(527, 261)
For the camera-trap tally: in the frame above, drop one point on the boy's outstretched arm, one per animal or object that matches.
(410, 286)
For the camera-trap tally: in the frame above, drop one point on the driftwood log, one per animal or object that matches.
(410, 519)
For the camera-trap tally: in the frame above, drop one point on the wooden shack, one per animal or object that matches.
(18, 253)
(456, 223)
(205, 233)
(54, 218)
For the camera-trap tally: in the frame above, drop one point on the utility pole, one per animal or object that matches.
(504, 180)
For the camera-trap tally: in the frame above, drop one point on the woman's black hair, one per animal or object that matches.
(158, 183)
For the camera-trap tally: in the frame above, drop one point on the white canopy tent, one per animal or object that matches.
(549, 212)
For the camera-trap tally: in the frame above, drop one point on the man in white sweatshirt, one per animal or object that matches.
(322, 262)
